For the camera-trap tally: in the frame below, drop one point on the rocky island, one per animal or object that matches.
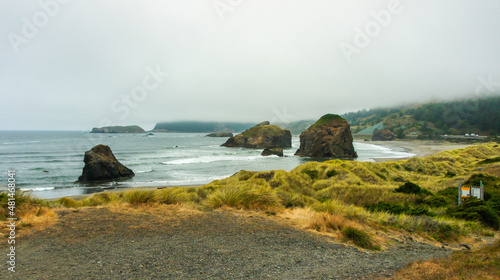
(329, 137)
(118, 129)
(220, 134)
(261, 136)
(102, 165)
(383, 135)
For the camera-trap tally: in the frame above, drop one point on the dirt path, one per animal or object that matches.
(176, 243)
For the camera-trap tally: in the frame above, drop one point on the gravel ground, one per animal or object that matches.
(171, 243)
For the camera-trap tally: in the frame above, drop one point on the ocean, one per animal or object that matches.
(47, 163)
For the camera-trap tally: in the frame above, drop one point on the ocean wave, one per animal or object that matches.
(145, 171)
(22, 142)
(384, 152)
(208, 159)
(37, 188)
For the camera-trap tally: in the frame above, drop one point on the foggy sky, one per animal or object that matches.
(75, 64)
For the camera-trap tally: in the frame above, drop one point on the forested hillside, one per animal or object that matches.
(479, 116)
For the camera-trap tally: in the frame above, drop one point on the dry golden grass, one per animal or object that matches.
(336, 191)
(32, 218)
(480, 264)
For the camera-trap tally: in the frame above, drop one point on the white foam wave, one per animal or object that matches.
(145, 171)
(22, 142)
(37, 188)
(385, 152)
(208, 159)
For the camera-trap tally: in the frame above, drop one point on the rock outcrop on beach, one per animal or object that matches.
(278, 151)
(261, 136)
(383, 135)
(220, 134)
(118, 129)
(329, 137)
(101, 165)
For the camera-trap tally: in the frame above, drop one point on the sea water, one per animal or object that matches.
(48, 163)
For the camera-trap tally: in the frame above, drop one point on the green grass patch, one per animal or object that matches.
(328, 118)
(313, 174)
(139, 197)
(244, 197)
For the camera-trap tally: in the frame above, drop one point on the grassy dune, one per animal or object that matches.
(352, 199)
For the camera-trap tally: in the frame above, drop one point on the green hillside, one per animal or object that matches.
(479, 116)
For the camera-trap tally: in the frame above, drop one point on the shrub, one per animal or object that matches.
(450, 174)
(313, 174)
(398, 209)
(433, 201)
(490, 160)
(360, 238)
(331, 173)
(475, 210)
(412, 188)
(489, 181)
(393, 208)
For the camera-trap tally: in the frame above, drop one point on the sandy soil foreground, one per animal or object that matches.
(172, 242)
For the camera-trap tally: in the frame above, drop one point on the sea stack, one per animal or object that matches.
(101, 165)
(383, 135)
(329, 137)
(262, 136)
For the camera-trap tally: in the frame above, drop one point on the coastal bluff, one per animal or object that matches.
(262, 136)
(102, 165)
(329, 137)
(118, 129)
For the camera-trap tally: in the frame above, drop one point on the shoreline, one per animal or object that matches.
(124, 189)
(417, 147)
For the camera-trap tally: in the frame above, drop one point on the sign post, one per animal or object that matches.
(470, 191)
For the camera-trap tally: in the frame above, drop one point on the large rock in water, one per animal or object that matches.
(261, 136)
(383, 135)
(101, 165)
(220, 134)
(272, 151)
(329, 137)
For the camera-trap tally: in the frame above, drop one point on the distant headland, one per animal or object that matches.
(118, 129)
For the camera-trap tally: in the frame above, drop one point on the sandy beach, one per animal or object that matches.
(420, 148)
